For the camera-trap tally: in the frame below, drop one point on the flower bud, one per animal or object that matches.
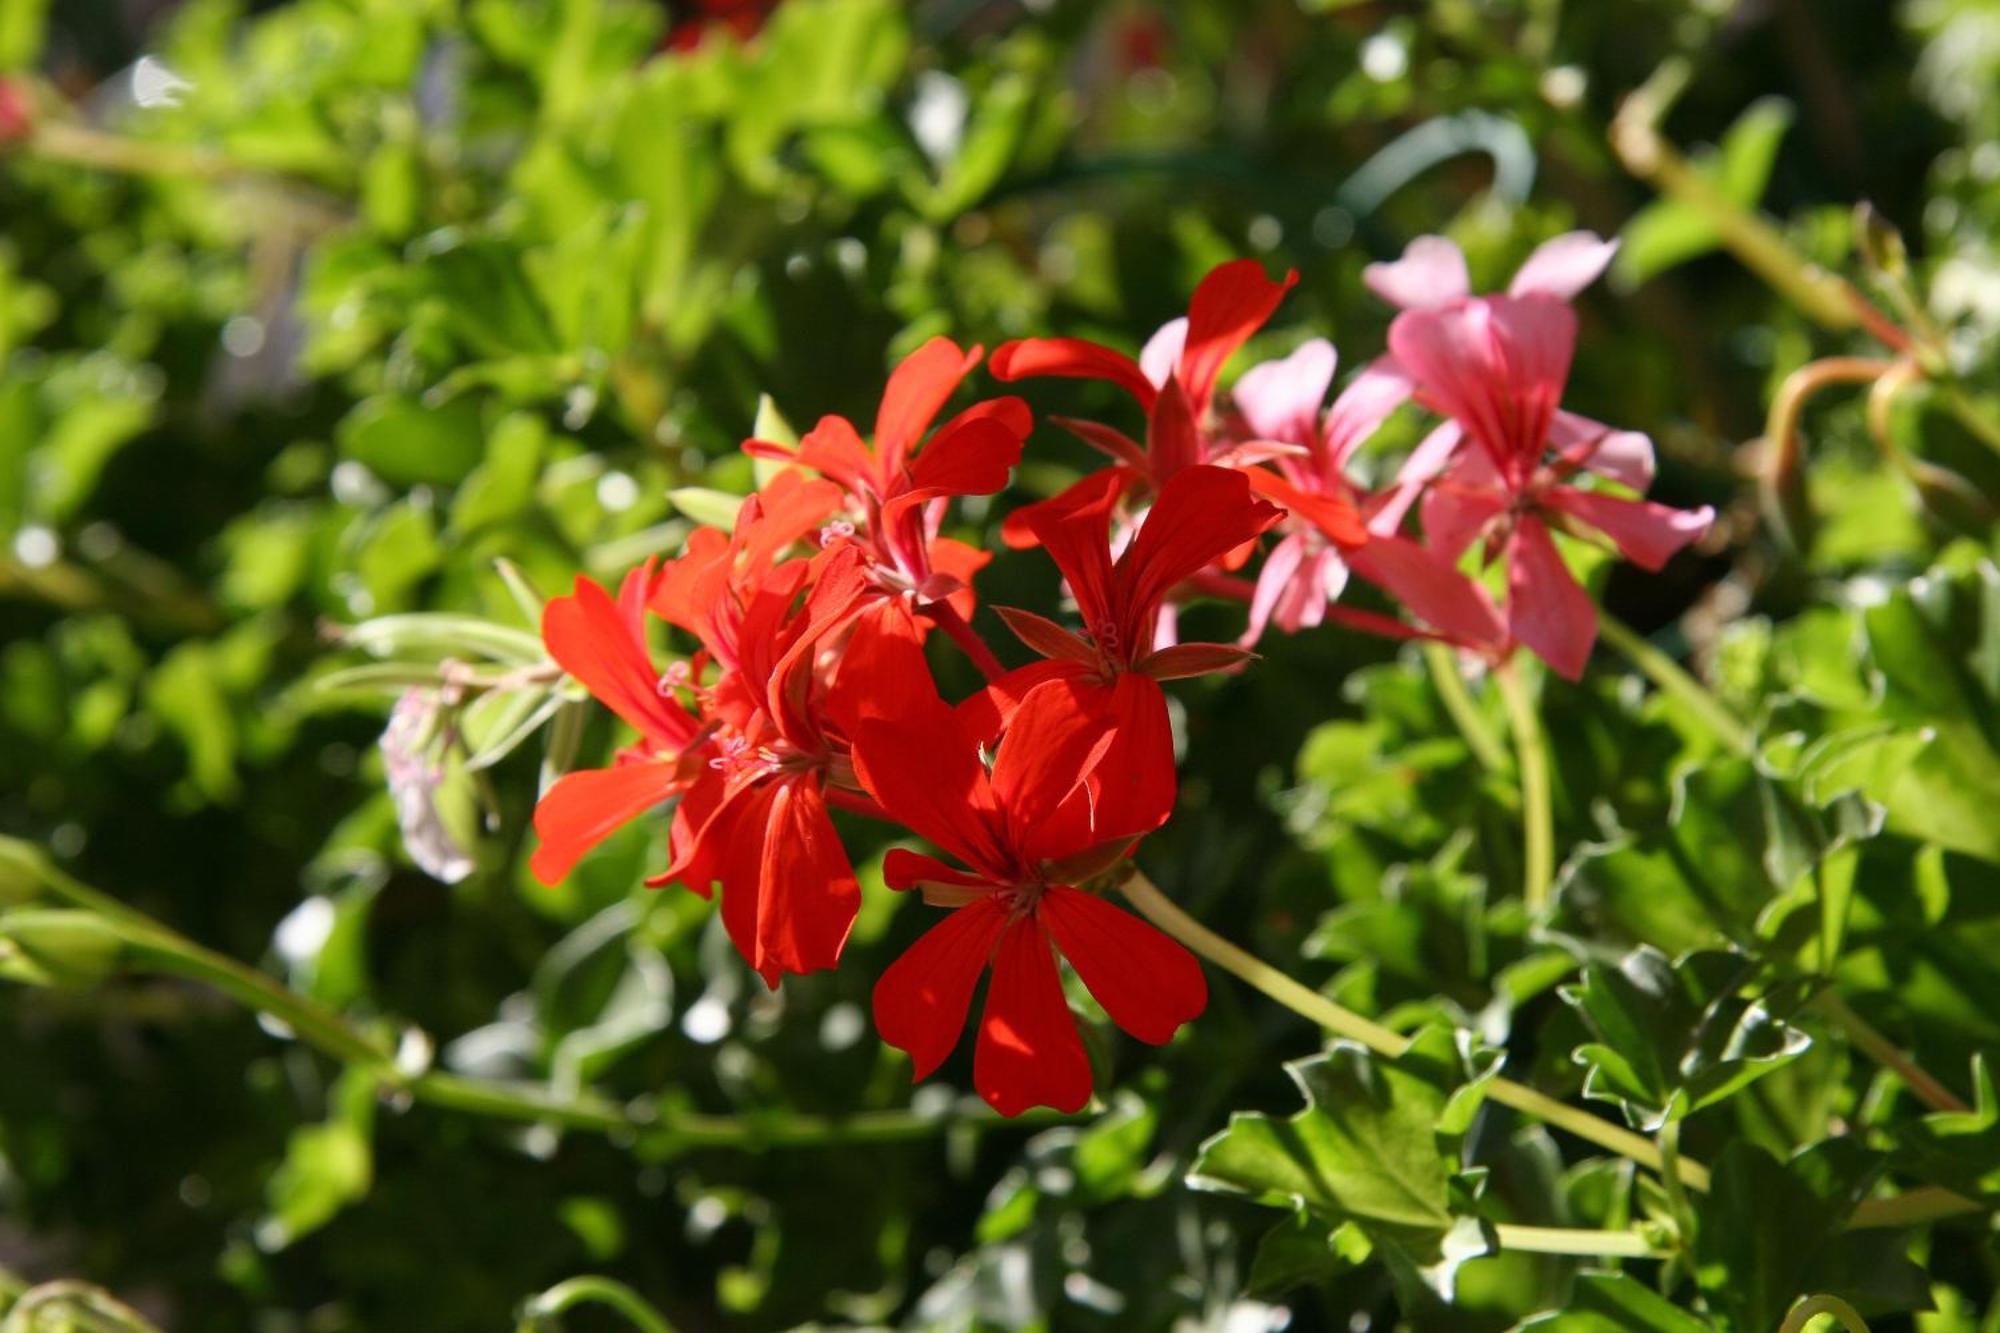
(22, 872)
(58, 947)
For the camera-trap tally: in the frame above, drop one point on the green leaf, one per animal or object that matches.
(1959, 1149)
(1366, 1149)
(1676, 1036)
(1671, 231)
(1770, 1232)
(407, 443)
(327, 1166)
(1615, 1303)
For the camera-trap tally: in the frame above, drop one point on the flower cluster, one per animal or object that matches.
(806, 687)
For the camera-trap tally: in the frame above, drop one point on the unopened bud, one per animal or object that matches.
(58, 946)
(23, 872)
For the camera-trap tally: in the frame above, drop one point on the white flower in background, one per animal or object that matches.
(414, 776)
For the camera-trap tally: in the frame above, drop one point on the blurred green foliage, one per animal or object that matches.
(312, 313)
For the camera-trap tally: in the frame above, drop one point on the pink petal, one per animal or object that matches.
(1280, 400)
(1363, 405)
(1647, 533)
(1625, 456)
(1274, 582)
(1496, 365)
(1427, 460)
(1430, 273)
(1162, 352)
(1432, 589)
(1564, 266)
(1546, 608)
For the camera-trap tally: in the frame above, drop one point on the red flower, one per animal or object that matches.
(896, 490)
(602, 645)
(1026, 832)
(1174, 380)
(1201, 513)
(754, 769)
(756, 820)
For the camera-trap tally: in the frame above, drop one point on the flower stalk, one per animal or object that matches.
(540, 1312)
(1537, 815)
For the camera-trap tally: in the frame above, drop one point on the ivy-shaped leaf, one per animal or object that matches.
(1372, 1148)
(1673, 1037)
(1769, 1232)
(1615, 1303)
(1959, 1149)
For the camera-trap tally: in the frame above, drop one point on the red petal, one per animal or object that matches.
(1056, 738)
(1145, 980)
(585, 807)
(1201, 515)
(925, 771)
(1029, 1051)
(593, 641)
(1546, 609)
(833, 448)
(1116, 444)
(1071, 358)
(1017, 530)
(1174, 439)
(1184, 660)
(921, 999)
(1075, 529)
(1131, 789)
(1045, 636)
(904, 869)
(970, 459)
(1331, 511)
(806, 896)
(917, 390)
(983, 716)
(1231, 303)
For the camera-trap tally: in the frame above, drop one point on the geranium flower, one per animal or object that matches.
(602, 645)
(757, 817)
(1201, 513)
(896, 490)
(1024, 833)
(1173, 380)
(1333, 525)
(1497, 366)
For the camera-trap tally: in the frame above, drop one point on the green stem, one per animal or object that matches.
(1886, 1053)
(1537, 818)
(1569, 1240)
(1310, 1004)
(1458, 702)
(1813, 1307)
(62, 1303)
(1674, 680)
(593, 1290)
(152, 946)
(1669, 1139)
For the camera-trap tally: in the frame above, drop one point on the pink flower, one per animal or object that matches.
(1334, 526)
(1499, 471)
